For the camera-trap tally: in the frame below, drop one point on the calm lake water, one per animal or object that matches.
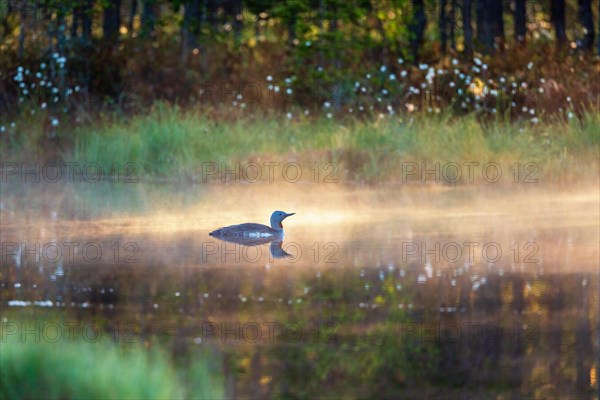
(405, 292)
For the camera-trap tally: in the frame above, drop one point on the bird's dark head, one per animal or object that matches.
(277, 217)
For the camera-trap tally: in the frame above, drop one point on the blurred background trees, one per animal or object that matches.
(163, 48)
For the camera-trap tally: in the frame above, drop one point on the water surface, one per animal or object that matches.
(400, 292)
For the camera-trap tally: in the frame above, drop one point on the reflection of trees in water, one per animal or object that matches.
(583, 338)
(370, 356)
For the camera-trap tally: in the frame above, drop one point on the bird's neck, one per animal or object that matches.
(277, 225)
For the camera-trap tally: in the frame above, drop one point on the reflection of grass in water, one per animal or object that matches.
(87, 200)
(170, 142)
(78, 370)
(94, 200)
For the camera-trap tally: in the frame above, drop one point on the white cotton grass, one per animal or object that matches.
(379, 90)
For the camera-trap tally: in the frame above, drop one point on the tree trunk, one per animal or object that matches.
(131, 19)
(485, 24)
(22, 30)
(112, 19)
(520, 21)
(417, 28)
(496, 18)
(467, 8)
(583, 340)
(586, 19)
(557, 12)
(86, 21)
(213, 18)
(238, 23)
(191, 11)
(479, 19)
(443, 26)
(148, 17)
(333, 28)
(193, 17)
(452, 21)
(76, 10)
(59, 24)
(291, 25)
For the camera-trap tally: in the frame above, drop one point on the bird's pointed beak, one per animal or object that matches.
(289, 215)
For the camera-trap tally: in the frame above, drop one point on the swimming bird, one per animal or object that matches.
(251, 230)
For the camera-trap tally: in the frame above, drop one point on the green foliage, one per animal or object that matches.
(80, 370)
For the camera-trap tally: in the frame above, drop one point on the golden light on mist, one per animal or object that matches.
(564, 225)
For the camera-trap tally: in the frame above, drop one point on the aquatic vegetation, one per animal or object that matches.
(68, 369)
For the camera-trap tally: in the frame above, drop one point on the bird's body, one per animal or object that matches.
(254, 231)
(249, 230)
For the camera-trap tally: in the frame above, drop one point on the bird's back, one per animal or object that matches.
(244, 230)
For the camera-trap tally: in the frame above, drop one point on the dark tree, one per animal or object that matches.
(443, 25)
(557, 15)
(586, 19)
(446, 24)
(22, 28)
(417, 27)
(291, 18)
(58, 25)
(148, 17)
(213, 14)
(112, 19)
(132, 12)
(467, 8)
(236, 11)
(497, 21)
(452, 19)
(75, 20)
(520, 21)
(583, 340)
(86, 20)
(485, 34)
(192, 15)
(490, 24)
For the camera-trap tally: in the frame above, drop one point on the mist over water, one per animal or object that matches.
(443, 226)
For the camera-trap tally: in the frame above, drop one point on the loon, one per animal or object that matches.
(254, 230)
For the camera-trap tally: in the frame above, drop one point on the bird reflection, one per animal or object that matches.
(276, 247)
(277, 250)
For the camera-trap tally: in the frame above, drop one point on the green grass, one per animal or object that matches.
(171, 143)
(80, 370)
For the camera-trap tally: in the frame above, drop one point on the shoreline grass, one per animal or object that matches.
(173, 144)
(78, 369)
